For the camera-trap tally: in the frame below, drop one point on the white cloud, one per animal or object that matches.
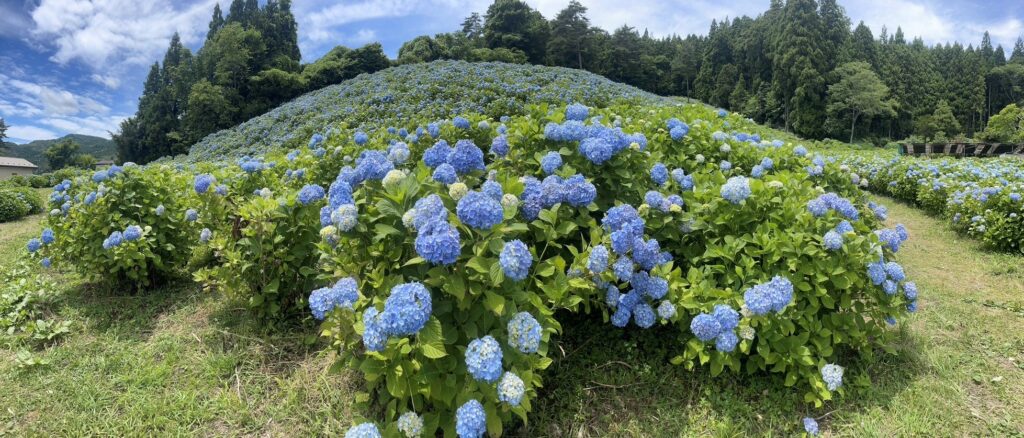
(27, 133)
(111, 82)
(99, 126)
(34, 97)
(106, 33)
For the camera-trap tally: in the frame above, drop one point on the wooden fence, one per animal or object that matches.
(962, 149)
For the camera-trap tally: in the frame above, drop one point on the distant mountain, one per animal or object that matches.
(100, 148)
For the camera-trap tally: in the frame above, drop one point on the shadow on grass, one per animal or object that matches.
(607, 381)
(116, 310)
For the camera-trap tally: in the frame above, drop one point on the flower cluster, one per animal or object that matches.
(772, 296)
(343, 294)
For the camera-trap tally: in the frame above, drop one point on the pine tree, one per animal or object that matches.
(570, 32)
(1017, 56)
(797, 78)
(473, 26)
(216, 22)
(513, 24)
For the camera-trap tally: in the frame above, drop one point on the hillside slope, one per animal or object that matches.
(400, 96)
(101, 148)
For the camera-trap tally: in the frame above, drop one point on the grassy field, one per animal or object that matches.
(177, 361)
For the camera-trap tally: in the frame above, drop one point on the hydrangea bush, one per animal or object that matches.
(435, 253)
(980, 197)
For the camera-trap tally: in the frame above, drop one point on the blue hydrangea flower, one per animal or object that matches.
(361, 138)
(515, 260)
(483, 359)
(647, 254)
(524, 333)
(726, 341)
(659, 174)
(437, 154)
(551, 162)
(466, 157)
(576, 112)
(894, 271)
(622, 315)
(91, 197)
(833, 241)
(460, 122)
(611, 296)
(666, 310)
(429, 209)
(34, 245)
(511, 389)
(406, 310)
(438, 242)
(774, 295)
(410, 424)
(657, 287)
(202, 183)
(876, 271)
(643, 315)
(832, 374)
(844, 227)
(434, 129)
(597, 150)
(912, 306)
(492, 189)
(810, 426)
(578, 192)
(374, 337)
(113, 240)
(705, 327)
(623, 268)
(45, 262)
(315, 140)
(100, 176)
(736, 189)
(800, 151)
(343, 294)
(677, 133)
(365, 430)
(725, 165)
(339, 193)
(310, 194)
(471, 420)
(910, 290)
(373, 166)
(598, 260)
(499, 146)
(445, 174)
(479, 211)
(205, 235)
(191, 215)
(132, 233)
(345, 217)
(889, 287)
(767, 163)
(398, 153)
(727, 317)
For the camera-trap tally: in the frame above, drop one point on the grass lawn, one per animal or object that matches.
(177, 361)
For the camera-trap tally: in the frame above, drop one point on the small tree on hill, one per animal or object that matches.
(859, 92)
(61, 154)
(1007, 126)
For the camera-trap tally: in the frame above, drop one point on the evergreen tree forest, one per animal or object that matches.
(249, 64)
(777, 68)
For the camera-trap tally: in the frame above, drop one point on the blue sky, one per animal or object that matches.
(77, 66)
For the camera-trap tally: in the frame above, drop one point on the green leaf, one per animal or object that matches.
(431, 339)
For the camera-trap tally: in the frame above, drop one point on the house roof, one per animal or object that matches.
(16, 162)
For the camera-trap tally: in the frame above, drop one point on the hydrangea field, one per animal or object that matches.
(979, 197)
(436, 232)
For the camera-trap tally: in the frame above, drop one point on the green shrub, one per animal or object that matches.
(87, 214)
(13, 205)
(39, 181)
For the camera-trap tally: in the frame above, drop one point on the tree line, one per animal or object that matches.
(797, 66)
(776, 68)
(248, 64)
